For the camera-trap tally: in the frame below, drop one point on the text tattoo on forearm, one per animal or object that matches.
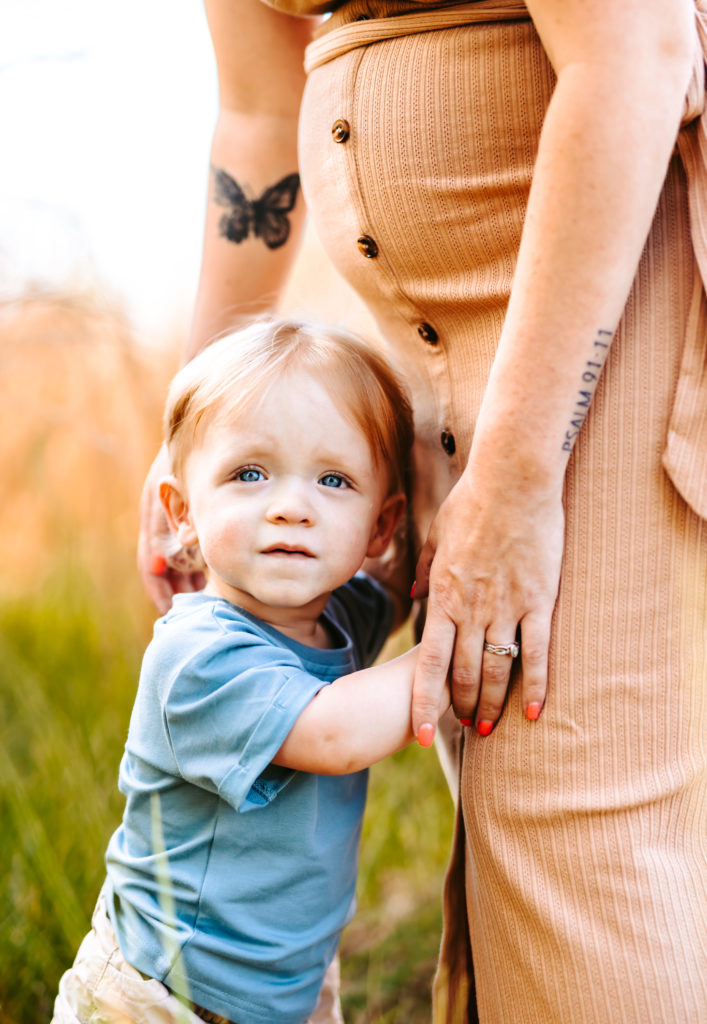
(590, 379)
(264, 218)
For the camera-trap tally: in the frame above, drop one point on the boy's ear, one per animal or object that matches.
(176, 507)
(384, 528)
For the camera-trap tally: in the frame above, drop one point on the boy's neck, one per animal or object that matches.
(307, 632)
(305, 625)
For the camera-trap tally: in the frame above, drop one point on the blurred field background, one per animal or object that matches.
(101, 195)
(79, 424)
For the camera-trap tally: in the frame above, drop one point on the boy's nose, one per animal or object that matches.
(290, 504)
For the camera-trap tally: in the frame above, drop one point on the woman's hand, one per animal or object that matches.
(491, 569)
(165, 566)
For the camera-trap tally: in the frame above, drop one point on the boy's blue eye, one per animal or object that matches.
(249, 475)
(333, 480)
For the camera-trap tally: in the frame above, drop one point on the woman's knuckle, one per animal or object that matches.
(464, 677)
(457, 596)
(495, 673)
(534, 694)
(426, 707)
(444, 596)
(534, 654)
(465, 687)
(432, 664)
(476, 596)
(488, 710)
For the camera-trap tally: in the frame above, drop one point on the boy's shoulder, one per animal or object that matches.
(361, 597)
(361, 591)
(201, 611)
(360, 611)
(363, 610)
(200, 629)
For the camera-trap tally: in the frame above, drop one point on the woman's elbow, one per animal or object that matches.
(676, 48)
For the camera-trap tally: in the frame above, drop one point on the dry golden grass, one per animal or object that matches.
(79, 426)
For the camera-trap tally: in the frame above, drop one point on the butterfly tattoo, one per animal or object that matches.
(264, 218)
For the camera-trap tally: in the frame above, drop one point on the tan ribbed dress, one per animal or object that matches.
(581, 885)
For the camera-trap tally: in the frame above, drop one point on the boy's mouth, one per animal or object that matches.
(288, 549)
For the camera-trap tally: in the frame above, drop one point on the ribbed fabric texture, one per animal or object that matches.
(582, 840)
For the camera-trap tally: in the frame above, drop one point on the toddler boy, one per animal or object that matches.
(233, 872)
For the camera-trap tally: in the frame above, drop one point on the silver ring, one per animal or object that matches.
(512, 649)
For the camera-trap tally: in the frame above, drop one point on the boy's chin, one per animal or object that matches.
(287, 599)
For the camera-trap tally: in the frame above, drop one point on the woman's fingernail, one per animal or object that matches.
(532, 712)
(484, 728)
(426, 735)
(412, 590)
(466, 721)
(158, 564)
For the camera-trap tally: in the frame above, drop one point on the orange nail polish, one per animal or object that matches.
(158, 564)
(484, 728)
(412, 590)
(466, 721)
(426, 734)
(532, 712)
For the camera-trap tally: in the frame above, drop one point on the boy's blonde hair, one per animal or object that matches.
(241, 365)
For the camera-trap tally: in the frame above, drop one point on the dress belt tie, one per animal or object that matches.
(338, 41)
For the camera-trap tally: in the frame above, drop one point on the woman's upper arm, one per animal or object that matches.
(642, 33)
(259, 56)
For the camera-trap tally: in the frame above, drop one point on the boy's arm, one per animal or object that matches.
(355, 721)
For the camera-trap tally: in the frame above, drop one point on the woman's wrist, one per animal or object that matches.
(517, 457)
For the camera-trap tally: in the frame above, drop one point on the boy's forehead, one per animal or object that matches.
(246, 420)
(239, 405)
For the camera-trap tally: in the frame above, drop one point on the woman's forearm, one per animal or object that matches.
(253, 193)
(492, 561)
(255, 211)
(603, 155)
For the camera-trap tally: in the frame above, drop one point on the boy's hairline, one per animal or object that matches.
(333, 369)
(212, 414)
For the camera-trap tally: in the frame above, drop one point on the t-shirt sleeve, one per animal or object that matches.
(367, 613)
(228, 712)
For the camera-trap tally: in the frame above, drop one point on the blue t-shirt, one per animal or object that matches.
(230, 878)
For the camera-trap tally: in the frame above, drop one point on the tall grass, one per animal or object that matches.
(77, 430)
(67, 674)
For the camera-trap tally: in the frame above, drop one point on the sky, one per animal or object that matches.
(106, 115)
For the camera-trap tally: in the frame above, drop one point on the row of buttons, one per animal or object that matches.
(368, 247)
